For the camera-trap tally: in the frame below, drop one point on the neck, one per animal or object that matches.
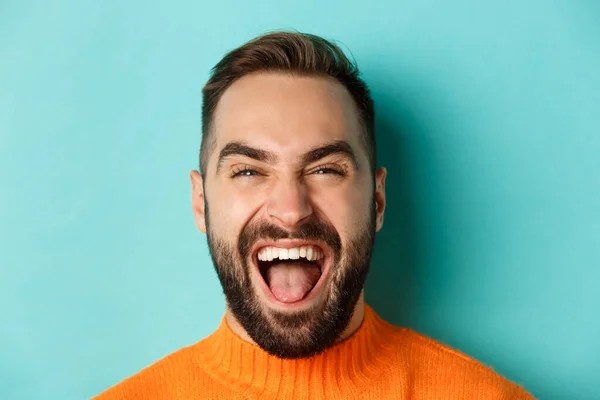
(242, 365)
(353, 325)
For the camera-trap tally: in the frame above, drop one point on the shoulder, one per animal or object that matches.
(160, 379)
(441, 366)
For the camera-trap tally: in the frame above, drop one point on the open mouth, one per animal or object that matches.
(291, 274)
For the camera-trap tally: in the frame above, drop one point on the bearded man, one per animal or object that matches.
(290, 197)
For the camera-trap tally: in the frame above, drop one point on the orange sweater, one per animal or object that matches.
(379, 361)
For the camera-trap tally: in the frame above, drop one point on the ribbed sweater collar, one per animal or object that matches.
(341, 371)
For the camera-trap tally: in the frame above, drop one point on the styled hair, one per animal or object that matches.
(294, 53)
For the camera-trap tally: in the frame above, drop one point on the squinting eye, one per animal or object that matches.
(245, 172)
(325, 171)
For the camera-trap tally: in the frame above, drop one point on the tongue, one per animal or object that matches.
(289, 283)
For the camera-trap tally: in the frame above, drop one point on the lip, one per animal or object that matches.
(287, 244)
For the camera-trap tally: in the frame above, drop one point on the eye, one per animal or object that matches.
(244, 172)
(329, 170)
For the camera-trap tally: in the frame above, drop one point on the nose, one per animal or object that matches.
(289, 203)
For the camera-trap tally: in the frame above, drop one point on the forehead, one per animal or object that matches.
(286, 114)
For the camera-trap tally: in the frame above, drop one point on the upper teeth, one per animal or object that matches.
(269, 253)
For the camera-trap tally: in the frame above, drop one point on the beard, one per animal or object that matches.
(301, 333)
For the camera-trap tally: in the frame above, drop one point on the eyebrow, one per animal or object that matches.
(339, 147)
(242, 149)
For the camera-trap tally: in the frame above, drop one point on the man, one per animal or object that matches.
(290, 198)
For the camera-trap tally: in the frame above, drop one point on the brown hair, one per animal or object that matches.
(292, 53)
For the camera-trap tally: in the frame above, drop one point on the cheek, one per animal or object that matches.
(230, 211)
(346, 207)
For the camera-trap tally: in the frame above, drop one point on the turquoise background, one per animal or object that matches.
(488, 121)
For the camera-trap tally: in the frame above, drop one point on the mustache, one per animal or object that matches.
(311, 230)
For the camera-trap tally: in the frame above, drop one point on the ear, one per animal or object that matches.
(380, 196)
(198, 200)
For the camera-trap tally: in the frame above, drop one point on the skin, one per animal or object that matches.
(287, 116)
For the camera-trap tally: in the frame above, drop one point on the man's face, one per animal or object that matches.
(290, 208)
